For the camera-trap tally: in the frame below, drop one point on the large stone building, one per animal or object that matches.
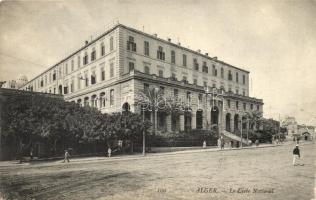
(110, 70)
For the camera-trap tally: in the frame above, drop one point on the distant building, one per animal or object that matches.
(295, 130)
(109, 71)
(306, 132)
(15, 84)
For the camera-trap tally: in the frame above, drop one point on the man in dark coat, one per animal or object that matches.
(296, 154)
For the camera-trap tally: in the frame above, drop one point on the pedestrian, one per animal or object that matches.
(204, 144)
(257, 142)
(231, 144)
(109, 152)
(219, 143)
(67, 155)
(222, 143)
(296, 154)
(31, 153)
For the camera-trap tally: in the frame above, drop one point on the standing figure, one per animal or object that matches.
(296, 154)
(219, 143)
(109, 152)
(31, 153)
(67, 155)
(257, 142)
(204, 144)
(222, 142)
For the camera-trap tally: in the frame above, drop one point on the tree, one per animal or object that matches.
(128, 126)
(29, 118)
(152, 100)
(252, 118)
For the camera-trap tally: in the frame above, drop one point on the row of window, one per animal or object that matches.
(88, 80)
(85, 61)
(244, 105)
(94, 100)
(184, 79)
(131, 46)
(200, 97)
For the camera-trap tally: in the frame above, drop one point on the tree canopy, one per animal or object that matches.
(31, 117)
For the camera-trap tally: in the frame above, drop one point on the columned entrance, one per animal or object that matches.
(227, 121)
(199, 119)
(161, 119)
(60, 89)
(175, 122)
(236, 123)
(214, 115)
(187, 121)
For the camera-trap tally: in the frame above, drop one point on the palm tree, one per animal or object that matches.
(152, 100)
(252, 118)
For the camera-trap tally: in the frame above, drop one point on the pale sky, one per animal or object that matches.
(274, 40)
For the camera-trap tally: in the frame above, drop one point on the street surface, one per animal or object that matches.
(259, 173)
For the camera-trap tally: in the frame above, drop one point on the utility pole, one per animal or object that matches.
(144, 142)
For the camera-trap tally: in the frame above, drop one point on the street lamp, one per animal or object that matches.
(241, 133)
(215, 96)
(156, 107)
(144, 142)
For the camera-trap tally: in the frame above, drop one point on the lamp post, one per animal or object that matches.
(215, 96)
(247, 131)
(144, 142)
(156, 107)
(241, 133)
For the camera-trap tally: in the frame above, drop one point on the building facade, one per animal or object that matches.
(109, 71)
(298, 131)
(15, 84)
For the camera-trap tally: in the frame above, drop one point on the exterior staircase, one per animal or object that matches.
(234, 137)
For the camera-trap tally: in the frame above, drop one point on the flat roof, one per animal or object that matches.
(139, 32)
(181, 47)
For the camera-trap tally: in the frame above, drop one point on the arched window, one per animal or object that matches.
(199, 119)
(94, 101)
(86, 101)
(111, 97)
(126, 107)
(102, 99)
(227, 120)
(79, 102)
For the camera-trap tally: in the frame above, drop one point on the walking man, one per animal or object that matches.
(67, 155)
(296, 154)
(109, 152)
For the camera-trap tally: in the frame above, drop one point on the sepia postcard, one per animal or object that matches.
(148, 99)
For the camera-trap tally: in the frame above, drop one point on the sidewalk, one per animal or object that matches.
(58, 161)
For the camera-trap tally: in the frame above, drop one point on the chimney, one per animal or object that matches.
(179, 43)
(206, 54)
(199, 50)
(155, 34)
(86, 42)
(169, 40)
